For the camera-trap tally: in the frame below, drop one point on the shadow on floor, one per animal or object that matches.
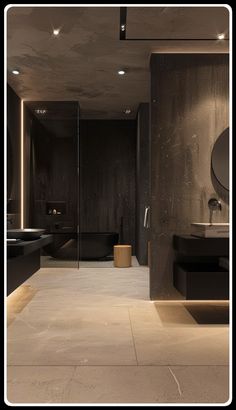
(193, 313)
(209, 314)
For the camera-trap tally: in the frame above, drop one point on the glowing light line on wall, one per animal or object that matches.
(22, 166)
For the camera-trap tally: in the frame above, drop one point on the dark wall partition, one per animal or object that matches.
(189, 110)
(107, 177)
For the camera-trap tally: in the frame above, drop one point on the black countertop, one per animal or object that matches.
(193, 245)
(26, 247)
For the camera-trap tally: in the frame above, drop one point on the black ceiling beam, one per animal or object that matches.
(123, 16)
(123, 27)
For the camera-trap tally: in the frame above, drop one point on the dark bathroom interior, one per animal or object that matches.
(95, 171)
(94, 183)
(80, 179)
(119, 204)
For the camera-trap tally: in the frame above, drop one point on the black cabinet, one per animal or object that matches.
(23, 260)
(197, 273)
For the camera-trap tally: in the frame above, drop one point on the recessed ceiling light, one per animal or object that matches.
(122, 27)
(121, 72)
(56, 31)
(40, 111)
(16, 72)
(221, 36)
(127, 111)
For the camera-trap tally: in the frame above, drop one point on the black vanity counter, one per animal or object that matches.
(23, 260)
(26, 247)
(193, 245)
(197, 272)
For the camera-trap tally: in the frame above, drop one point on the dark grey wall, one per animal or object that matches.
(189, 110)
(13, 156)
(107, 177)
(142, 182)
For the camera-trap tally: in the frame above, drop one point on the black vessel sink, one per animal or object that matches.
(27, 234)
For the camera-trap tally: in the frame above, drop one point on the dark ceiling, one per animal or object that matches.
(81, 64)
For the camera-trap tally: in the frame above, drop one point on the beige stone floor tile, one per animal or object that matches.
(185, 345)
(202, 384)
(188, 346)
(149, 384)
(87, 336)
(122, 384)
(127, 351)
(91, 287)
(144, 316)
(117, 384)
(38, 384)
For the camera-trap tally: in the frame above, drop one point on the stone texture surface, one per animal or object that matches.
(38, 384)
(93, 336)
(82, 63)
(189, 110)
(117, 384)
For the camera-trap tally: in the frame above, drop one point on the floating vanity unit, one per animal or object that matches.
(23, 256)
(198, 272)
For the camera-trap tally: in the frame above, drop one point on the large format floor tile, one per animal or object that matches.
(93, 336)
(192, 345)
(202, 384)
(38, 384)
(118, 384)
(182, 347)
(91, 287)
(186, 346)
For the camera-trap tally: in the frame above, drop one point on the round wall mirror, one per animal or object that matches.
(220, 165)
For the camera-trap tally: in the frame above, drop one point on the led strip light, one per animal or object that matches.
(22, 166)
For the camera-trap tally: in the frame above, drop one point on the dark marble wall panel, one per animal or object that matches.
(189, 110)
(107, 177)
(142, 183)
(13, 157)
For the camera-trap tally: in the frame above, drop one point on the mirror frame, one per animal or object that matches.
(220, 189)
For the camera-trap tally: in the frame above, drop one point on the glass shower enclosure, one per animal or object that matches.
(51, 135)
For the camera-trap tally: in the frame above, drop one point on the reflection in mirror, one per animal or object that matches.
(220, 165)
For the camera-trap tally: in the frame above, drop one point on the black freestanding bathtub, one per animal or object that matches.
(91, 245)
(96, 245)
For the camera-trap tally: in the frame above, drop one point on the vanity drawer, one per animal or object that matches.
(201, 281)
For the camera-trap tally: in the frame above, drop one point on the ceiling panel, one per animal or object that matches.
(177, 22)
(81, 64)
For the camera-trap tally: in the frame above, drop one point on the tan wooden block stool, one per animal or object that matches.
(122, 256)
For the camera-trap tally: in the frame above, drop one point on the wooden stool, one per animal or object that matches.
(122, 256)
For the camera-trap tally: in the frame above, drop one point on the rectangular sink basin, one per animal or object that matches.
(207, 230)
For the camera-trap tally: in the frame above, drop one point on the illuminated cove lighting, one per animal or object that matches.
(22, 167)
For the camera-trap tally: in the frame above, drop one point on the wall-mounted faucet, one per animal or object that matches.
(214, 205)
